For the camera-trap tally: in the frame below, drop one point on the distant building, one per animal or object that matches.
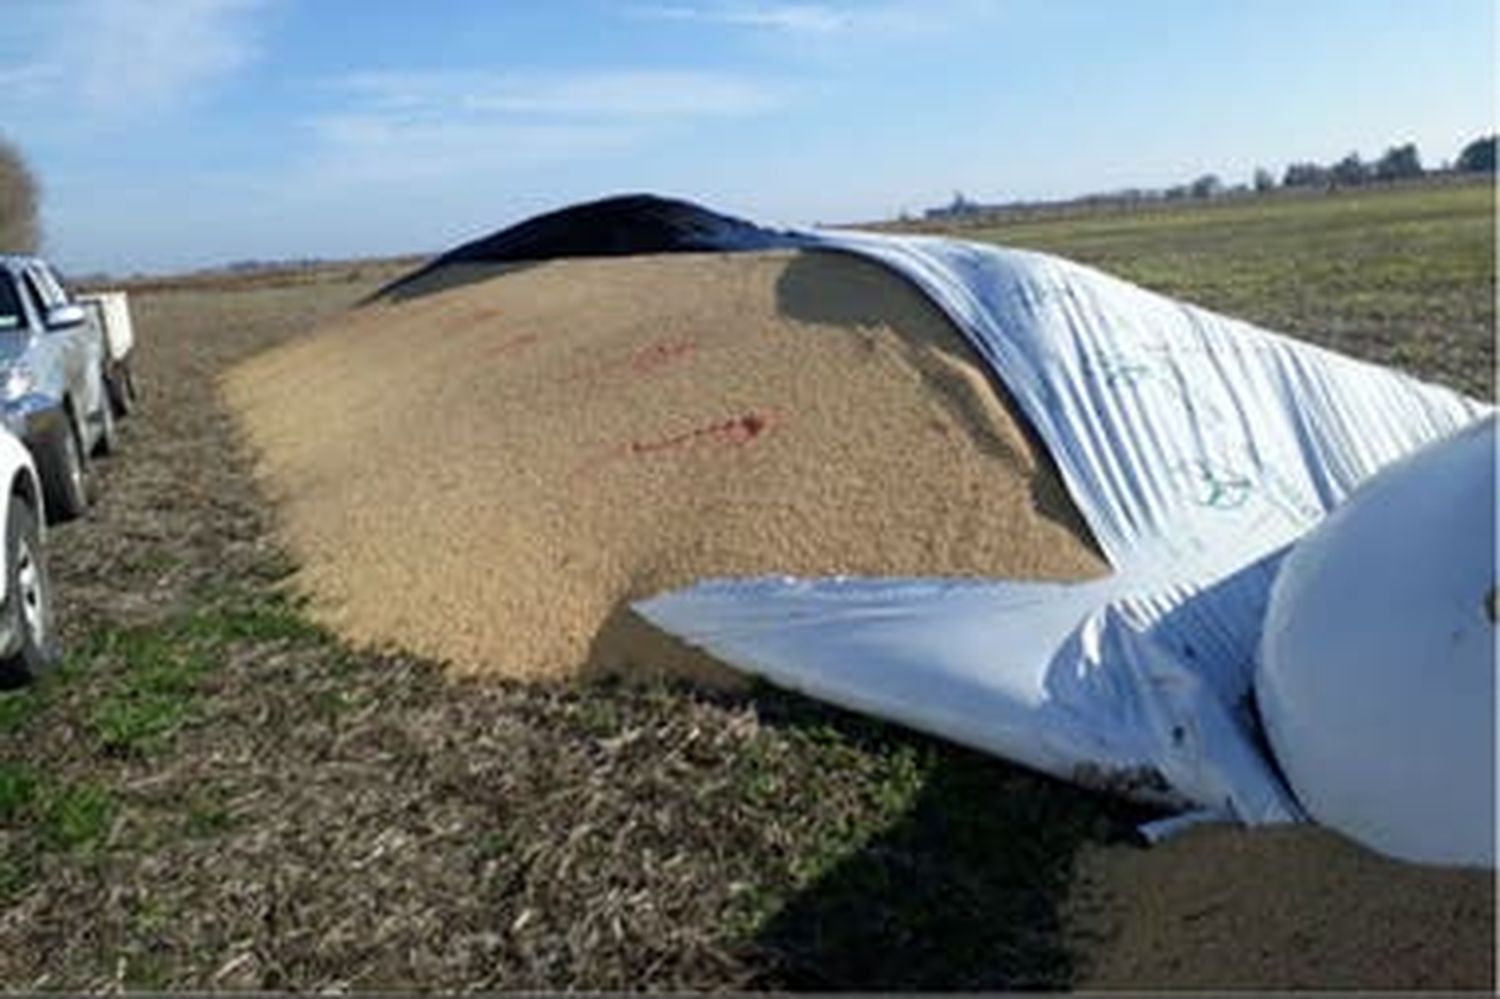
(959, 207)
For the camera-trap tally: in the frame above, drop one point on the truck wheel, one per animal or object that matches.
(34, 648)
(65, 475)
(122, 390)
(109, 437)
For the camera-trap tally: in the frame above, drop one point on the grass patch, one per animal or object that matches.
(14, 876)
(828, 824)
(77, 817)
(204, 813)
(155, 691)
(138, 722)
(253, 617)
(209, 820)
(945, 872)
(18, 791)
(161, 668)
(150, 562)
(17, 707)
(68, 816)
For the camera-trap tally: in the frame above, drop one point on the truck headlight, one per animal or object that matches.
(18, 380)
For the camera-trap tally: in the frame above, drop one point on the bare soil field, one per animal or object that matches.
(216, 793)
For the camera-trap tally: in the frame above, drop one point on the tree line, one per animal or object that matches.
(1398, 163)
(1402, 162)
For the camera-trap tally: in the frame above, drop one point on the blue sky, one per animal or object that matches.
(177, 133)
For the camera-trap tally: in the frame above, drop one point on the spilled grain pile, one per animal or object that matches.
(488, 473)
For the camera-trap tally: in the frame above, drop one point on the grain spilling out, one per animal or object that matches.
(488, 473)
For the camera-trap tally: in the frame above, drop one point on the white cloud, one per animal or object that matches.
(886, 20)
(30, 81)
(795, 18)
(413, 125)
(117, 58)
(622, 94)
(357, 148)
(150, 55)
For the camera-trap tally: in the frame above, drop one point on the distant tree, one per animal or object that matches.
(1399, 162)
(1176, 192)
(1350, 171)
(1264, 181)
(1305, 175)
(1478, 156)
(1206, 186)
(20, 228)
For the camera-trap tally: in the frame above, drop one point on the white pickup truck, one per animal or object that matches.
(59, 375)
(110, 311)
(28, 639)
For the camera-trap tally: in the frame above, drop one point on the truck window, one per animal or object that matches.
(34, 297)
(12, 316)
(47, 283)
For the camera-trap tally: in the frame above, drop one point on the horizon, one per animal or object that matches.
(187, 134)
(985, 214)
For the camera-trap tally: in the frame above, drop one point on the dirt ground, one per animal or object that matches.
(317, 817)
(1289, 908)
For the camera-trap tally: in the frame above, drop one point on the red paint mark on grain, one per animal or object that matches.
(733, 432)
(660, 354)
(721, 435)
(511, 343)
(641, 362)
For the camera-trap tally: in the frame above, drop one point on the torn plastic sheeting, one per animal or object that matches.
(1197, 447)
(1059, 677)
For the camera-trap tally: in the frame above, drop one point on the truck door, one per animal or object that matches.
(65, 347)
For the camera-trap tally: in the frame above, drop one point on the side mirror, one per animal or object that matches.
(61, 317)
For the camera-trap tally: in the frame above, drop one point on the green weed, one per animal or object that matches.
(18, 791)
(17, 707)
(77, 816)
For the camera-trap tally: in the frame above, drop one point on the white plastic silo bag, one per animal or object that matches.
(1197, 447)
(1376, 680)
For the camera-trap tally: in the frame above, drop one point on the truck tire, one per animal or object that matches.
(121, 386)
(109, 434)
(65, 474)
(34, 648)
